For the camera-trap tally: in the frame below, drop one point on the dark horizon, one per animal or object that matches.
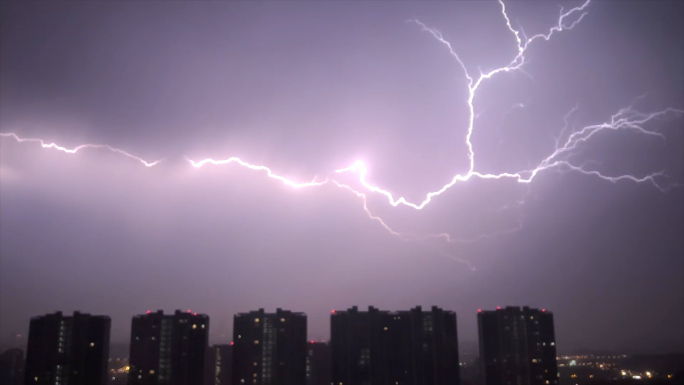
(466, 346)
(309, 88)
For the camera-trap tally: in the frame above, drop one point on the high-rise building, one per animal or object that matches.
(67, 350)
(517, 346)
(219, 363)
(317, 363)
(12, 367)
(377, 347)
(269, 348)
(168, 349)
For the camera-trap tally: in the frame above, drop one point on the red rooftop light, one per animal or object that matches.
(332, 312)
(195, 314)
(232, 343)
(498, 308)
(543, 310)
(148, 312)
(479, 310)
(312, 341)
(188, 311)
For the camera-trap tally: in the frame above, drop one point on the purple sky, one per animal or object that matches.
(309, 87)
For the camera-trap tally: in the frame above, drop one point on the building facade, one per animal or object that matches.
(70, 350)
(219, 362)
(377, 347)
(269, 348)
(317, 363)
(168, 349)
(517, 347)
(12, 367)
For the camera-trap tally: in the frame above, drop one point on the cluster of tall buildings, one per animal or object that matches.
(373, 347)
(406, 347)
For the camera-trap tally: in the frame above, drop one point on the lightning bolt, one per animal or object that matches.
(81, 147)
(627, 118)
(269, 173)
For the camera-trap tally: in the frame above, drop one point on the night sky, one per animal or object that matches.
(306, 88)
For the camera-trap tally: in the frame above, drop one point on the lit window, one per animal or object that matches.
(553, 343)
(153, 338)
(239, 336)
(35, 379)
(256, 342)
(202, 326)
(547, 381)
(256, 320)
(194, 326)
(385, 328)
(92, 344)
(255, 364)
(282, 320)
(151, 371)
(534, 360)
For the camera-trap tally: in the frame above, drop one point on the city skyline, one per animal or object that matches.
(469, 346)
(380, 93)
(517, 344)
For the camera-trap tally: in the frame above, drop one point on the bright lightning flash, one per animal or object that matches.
(627, 118)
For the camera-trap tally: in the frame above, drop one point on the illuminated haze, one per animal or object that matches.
(307, 89)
